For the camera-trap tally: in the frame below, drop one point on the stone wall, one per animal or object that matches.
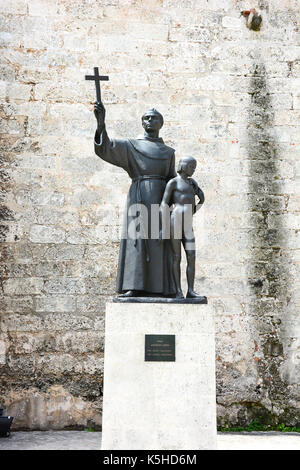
(230, 97)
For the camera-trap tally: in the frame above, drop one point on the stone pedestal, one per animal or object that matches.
(159, 405)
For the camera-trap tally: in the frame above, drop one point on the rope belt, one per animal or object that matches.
(138, 180)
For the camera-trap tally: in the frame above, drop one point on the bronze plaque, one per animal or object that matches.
(160, 348)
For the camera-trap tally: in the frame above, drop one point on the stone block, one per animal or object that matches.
(232, 22)
(3, 349)
(53, 216)
(46, 234)
(54, 303)
(55, 408)
(146, 403)
(296, 102)
(145, 31)
(18, 7)
(21, 322)
(18, 91)
(63, 252)
(22, 304)
(40, 198)
(15, 286)
(91, 303)
(65, 285)
(63, 322)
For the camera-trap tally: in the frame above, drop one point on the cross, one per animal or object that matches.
(97, 79)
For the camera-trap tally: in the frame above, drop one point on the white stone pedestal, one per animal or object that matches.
(159, 405)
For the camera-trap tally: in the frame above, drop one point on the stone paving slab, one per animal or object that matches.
(52, 440)
(259, 441)
(82, 440)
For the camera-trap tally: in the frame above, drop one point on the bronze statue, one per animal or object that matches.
(180, 192)
(144, 262)
(149, 266)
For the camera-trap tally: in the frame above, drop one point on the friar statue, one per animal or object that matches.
(145, 262)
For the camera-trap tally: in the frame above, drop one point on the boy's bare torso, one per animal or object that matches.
(183, 194)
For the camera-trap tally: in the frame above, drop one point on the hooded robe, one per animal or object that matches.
(145, 264)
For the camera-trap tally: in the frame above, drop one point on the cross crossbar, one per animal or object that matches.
(97, 78)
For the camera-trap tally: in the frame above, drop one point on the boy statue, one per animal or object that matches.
(180, 192)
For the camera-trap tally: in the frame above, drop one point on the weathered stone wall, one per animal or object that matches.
(230, 97)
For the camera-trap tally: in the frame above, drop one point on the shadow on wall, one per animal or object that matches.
(268, 273)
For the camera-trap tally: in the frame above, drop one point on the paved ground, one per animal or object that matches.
(82, 440)
(259, 441)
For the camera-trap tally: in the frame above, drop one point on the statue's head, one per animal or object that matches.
(152, 120)
(187, 165)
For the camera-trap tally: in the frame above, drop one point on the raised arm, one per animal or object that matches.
(111, 150)
(99, 112)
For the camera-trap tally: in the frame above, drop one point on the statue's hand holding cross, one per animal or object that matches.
(99, 109)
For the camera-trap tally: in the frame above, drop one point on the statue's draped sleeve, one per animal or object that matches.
(114, 151)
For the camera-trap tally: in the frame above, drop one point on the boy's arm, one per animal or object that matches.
(199, 193)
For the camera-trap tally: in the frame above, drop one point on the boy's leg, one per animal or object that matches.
(190, 250)
(176, 250)
(189, 247)
(190, 270)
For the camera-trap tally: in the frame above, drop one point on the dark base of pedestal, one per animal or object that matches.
(162, 300)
